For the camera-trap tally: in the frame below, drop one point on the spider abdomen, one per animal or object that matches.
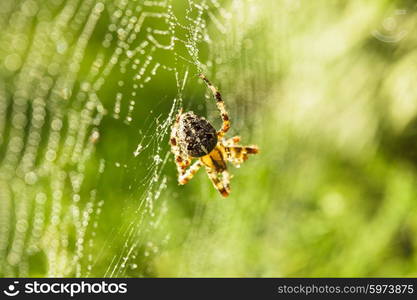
(196, 136)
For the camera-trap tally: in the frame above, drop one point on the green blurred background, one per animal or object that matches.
(89, 90)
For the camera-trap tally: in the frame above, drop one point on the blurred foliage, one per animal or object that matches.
(324, 88)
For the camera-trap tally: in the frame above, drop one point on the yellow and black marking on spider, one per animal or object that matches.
(193, 137)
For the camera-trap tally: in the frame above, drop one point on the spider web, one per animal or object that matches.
(70, 66)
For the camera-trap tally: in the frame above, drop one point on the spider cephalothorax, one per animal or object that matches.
(193, 137)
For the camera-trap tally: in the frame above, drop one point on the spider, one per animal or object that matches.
(193, 137)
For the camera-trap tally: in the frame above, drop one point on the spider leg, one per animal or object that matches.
(181, 160)
(232, 141)
(189, 173)
(226, 180)
(213, 175)
(220, 105)
(238, 154)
